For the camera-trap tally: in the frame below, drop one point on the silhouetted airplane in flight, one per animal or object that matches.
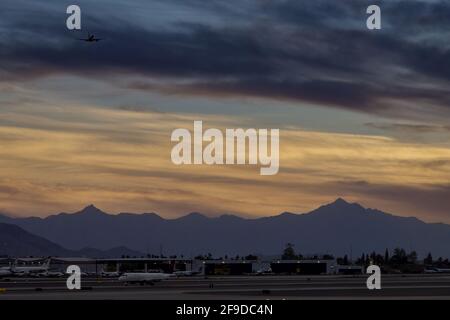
(91, 38)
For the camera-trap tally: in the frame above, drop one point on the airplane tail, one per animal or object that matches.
(13, 266)
(47, 263)
(174, 267)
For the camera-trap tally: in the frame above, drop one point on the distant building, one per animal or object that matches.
(86, 265)
(121, 265)
(304, 267)
(350, 270)
(205, 267)
(166, 265)
(226, 267)
(6, 262)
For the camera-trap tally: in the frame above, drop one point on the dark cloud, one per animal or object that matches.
(317, 52)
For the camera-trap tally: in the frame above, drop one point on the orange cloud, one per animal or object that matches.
(120, 160)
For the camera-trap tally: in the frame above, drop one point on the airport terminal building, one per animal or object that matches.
(241, 267)
(304, 267)
(121, 265)
(202, 267)
(217, 267)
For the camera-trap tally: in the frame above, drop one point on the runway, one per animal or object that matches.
(233, 288)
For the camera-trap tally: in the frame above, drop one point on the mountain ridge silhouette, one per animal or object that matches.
(337, 228)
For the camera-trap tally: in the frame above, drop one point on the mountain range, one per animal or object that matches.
(337, 228)
(16, 242)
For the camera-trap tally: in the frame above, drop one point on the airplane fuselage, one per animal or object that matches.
(143, 278)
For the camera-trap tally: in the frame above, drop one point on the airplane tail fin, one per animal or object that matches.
(13, 266)
(174, 266)
(47, 263)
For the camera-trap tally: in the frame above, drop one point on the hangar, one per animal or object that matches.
(120, 265)
(305, 267)
(227, 267)
(166, 265)
(348, 270)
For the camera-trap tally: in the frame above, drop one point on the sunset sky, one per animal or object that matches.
(363, 115)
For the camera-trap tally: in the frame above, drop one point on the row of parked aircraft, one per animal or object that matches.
(15, 270)
(127, 278)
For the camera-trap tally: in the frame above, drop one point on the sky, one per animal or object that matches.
(363, 114)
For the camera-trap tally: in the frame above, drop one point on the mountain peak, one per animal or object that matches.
(91, 210)
(193, 215)
(340, 208)
(229, 217)
(340, 201)
(287, 214)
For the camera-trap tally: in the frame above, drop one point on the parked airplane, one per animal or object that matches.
(437, 270)
(186, 273)
(144, 278)
(51, 274)
(5, 272)
(30, 270)
(113, 274)
(263, 272)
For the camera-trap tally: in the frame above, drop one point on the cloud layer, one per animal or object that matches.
(315, 52)
(64, 145)
(121, 161)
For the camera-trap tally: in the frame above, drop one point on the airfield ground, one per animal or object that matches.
(233, 288)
